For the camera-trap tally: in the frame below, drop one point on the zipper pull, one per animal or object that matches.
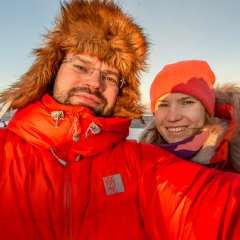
(94, 128)
(59, 159)
(78, 158)
(57, 115)
(76, 136)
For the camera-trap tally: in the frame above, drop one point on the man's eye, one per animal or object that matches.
(111, 78)
(80, 68)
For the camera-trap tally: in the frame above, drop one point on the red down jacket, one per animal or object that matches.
(65, 174)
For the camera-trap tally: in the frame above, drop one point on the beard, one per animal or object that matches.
(102, 112)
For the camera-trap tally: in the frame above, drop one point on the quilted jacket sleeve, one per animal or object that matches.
(182, 200)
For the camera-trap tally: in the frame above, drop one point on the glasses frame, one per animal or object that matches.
(120, 83)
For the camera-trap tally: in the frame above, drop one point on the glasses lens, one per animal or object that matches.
(111, 79)
(79, 66)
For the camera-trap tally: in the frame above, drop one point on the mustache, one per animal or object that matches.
(97, 94)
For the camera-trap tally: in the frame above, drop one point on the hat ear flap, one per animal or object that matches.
(128, 99)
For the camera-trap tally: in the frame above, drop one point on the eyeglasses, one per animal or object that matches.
(84, 68)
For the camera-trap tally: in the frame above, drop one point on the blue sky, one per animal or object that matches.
(178, 30)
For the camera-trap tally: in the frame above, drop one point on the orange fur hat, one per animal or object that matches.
(96, 27)
(191, 77)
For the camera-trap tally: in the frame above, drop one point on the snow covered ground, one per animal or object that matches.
(134, 133)
(2, 124)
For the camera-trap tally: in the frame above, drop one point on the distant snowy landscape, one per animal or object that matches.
(134, 133)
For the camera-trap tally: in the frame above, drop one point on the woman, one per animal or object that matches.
(194, 120)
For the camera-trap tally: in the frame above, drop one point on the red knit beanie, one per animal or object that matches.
(192, 77)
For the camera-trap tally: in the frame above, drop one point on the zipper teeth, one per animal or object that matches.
(68, 188)
(67, 204)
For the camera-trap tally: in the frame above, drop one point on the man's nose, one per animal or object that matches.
(95, 80)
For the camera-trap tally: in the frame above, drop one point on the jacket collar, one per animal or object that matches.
(69, 130)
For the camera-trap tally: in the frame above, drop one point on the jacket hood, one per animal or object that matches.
(228, 108)
(67, 130)
(96, 27)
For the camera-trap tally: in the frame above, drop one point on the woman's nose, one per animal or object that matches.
(174, 114)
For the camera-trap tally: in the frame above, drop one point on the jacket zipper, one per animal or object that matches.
(67, 204)
(68, 186)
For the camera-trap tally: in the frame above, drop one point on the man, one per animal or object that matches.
(66, 168)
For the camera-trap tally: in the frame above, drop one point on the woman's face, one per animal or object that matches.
(179, 116)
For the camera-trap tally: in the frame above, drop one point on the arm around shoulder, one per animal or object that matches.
(184, 200)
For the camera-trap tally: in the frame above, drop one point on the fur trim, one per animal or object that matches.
(97, 27)
(230, 94)
(4, 109)
(217, 131)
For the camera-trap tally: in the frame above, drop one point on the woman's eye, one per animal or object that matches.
(187, 102)
(162, 105)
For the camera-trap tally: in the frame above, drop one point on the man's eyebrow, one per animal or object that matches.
(84, 60)
(111, 72)
(89, 62)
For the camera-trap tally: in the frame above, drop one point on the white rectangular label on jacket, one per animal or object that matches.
(113, 184)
